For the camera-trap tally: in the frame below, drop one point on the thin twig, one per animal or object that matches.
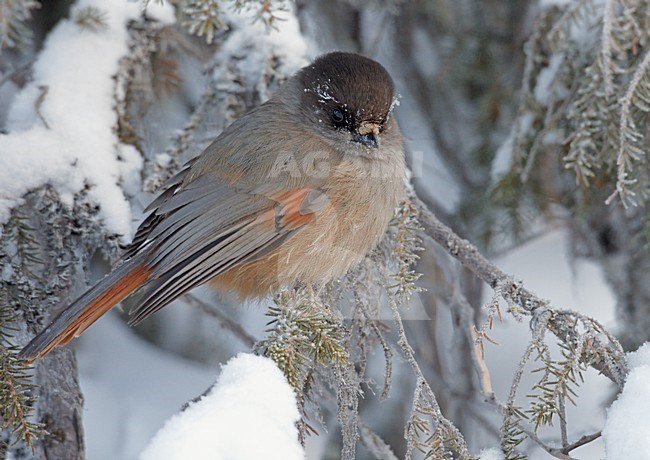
(627, 128)
(375, 444)
(606, 46)
(502, 284)
(388, 354)
(562, 417)
(586, 439)
(226, 322)
(477, 352)
(13, 74)
(427, 392)
(39, 103)
(561, 323)
(554, 452)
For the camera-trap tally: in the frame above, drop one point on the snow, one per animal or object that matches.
(503, 158)
(130, 387)
(61, 125)
(250, 413)
(288, 42)
(164, 15)
(491, 454)
(546, 78)
(627, 429)
(252, 36)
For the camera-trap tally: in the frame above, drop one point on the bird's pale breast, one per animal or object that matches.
(360, 206)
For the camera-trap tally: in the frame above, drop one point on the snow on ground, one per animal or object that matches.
(130, 388)
(627, 430)
(250, 413)
(61, 124)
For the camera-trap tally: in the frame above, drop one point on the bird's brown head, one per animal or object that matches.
(346, 95)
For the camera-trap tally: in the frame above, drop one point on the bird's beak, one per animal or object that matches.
(367, 134)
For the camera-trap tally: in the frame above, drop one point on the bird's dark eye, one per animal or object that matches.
(338, 117)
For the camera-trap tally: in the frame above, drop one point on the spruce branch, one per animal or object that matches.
(91, 18)
(559, 381)
(586, 102)
(407, 244)
(611, 358)
(597, 101)
(575, 13)
(16, 397)
(441, 437)
(307, 342)
(511, 433)
(425, 434)
(606, 46)
(348, 392)
(388, 353)
(375, 444)
(632, 144)
(303, 334)
(263, 10)
(14, 30)
(203, 18)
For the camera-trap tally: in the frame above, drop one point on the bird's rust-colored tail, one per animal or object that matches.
(76, 318)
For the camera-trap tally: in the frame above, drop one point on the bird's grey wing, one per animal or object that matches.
(199, 229)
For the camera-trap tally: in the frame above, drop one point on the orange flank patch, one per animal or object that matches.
(291, 201)
(295, 219)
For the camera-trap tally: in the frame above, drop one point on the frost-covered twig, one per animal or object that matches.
(585, 439)
(606, 46)
(572, 14)
(375, 444)
(514, 420)
(388, 354)
(14, 23)
(441, 423)
(631, 145)
(236, 329)
(561, 452)
(561, 323)
(584, 343)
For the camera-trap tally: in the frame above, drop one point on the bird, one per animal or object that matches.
(297, 190)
